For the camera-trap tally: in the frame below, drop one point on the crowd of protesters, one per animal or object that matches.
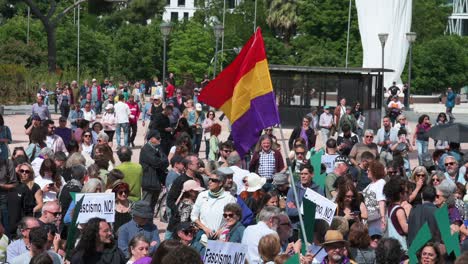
(382, 201)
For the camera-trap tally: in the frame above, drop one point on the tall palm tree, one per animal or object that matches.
(282, 18)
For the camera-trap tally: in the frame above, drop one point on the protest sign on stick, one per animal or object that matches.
(225, 252)
(100, 205)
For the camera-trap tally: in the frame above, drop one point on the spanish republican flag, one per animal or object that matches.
(243, 91)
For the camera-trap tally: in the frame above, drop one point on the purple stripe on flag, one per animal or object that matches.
(262, 113)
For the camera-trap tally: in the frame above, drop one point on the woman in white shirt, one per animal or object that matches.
(108, 121)
(87, 143)
(49, 180)
(374, 197)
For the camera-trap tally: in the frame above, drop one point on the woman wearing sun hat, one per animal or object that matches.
(253, 194)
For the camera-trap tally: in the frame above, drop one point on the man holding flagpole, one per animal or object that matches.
(244, 92)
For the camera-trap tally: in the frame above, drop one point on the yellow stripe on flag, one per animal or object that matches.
(255, 83)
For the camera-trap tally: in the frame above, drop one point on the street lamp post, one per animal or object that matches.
(383, 39)
(218, 32)
(165, 28)
(411, 37)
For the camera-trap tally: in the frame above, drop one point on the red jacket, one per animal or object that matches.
(99, 92)
(254, 163)
(134, 111)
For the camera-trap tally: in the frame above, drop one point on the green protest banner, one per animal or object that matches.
(309, 218)
(72, 232)
(294, 259)
(422, 237)
(316, 162)
(452, 244)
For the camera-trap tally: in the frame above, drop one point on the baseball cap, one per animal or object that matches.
(343, 159)
(326, 107)
(280, 178)
(156, 97)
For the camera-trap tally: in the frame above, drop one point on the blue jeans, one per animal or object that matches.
(124, 126)
(422, 147)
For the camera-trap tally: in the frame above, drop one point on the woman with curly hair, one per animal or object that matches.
(214, 142)
(254, 193)
(350, 205)
(397, 220)
(96, 245)
(359, 241)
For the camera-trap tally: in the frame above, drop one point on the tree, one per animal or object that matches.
(322, 30)
(440, 63)
(282, 18)
(191, 49)
(137, 51)
(50, 19)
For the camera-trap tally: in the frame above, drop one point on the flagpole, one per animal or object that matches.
(255, 17)
(293, 186)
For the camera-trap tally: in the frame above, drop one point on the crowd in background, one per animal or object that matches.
(382, 201)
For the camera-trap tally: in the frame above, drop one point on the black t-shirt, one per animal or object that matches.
(394, 90)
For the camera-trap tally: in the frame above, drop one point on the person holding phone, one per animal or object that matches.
(349, 203)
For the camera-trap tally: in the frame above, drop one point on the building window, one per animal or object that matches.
(168, 2)
(186, 16)
(181, 2)
(174, 16)
(231, 4)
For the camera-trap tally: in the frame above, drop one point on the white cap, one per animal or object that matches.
(109, 106)
(157, 96)
(94, 80)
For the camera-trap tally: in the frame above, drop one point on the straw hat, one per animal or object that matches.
(333, 237)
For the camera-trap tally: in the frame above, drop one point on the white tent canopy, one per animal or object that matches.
(385, 16)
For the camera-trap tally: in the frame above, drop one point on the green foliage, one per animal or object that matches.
(191, 49)
(282, 17)
(12, 80)
(17, 52)
(440, 63)
(430, 18)
(137, 51)
(16, 28)
(95, 48)
(322, 29)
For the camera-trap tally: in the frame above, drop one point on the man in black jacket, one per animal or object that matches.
(191, 165)
(154, 163)
(423, 213)
(163, 124)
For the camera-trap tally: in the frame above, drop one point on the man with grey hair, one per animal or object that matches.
(234, 163)
(21, 245)
(267, 224)
(45, 153)
(366, 145)
(453, 172)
